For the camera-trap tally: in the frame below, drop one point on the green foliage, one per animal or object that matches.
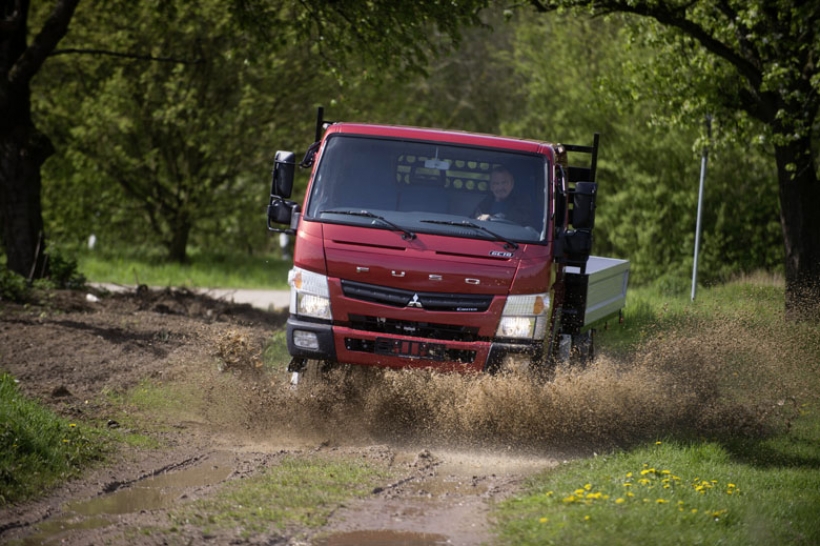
(171, 147)
(648, 171)
(63, 271)
(63, 274)
(389, 35)
(13, 287)
(38, 448)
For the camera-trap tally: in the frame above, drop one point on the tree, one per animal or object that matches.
(23, 148)
(390, 33)
(185, 139)
(648, 173)
(763, 55)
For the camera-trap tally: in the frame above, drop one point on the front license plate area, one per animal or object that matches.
(410, 349)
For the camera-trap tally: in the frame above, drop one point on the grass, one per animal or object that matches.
(301, 492)
(673, 493)
(37, 448)
(756, 479)
(204, 271)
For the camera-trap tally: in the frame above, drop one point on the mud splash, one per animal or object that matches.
(728, 380)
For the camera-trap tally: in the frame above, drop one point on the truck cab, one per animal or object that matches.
(426, 248)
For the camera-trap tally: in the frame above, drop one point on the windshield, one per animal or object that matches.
(428, 187)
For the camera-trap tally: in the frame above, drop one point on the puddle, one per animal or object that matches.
(156, 492)
(383, 538)
(161, 491)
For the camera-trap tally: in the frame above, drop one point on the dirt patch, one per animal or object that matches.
(79, 351)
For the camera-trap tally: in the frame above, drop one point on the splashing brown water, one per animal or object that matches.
(705, 380)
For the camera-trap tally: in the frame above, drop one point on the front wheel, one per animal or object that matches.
(302, 371)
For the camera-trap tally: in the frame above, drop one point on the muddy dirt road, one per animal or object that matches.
(220, 416)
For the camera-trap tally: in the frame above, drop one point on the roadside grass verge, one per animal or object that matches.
(205, 270)
(676, 493)
(39, 449)
(299, 492)
(745, 468)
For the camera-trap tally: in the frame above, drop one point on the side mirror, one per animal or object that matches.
(284, 212)
(583, 205)
(284, 167)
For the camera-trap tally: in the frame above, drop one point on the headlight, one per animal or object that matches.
(309, 294)
(524, 317)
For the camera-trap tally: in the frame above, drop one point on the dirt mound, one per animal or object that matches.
(67, 347)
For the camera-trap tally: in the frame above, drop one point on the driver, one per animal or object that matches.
(502, 202)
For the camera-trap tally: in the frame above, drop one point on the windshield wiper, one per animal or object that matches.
(406, 234)
(466, 223)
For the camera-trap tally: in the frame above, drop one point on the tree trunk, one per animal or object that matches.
(178, 245)
(800, 222)
(23, 149)
(22, 152)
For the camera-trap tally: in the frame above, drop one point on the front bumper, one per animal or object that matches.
(352, 346)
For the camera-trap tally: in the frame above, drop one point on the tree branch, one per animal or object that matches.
(54, 29)
(676, 18)
(669, 16)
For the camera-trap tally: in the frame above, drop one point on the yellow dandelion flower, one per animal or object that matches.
(620, 500)
(629, 474)
(630, 494)
(588, 486)
(543, 520)
(658, 443)
(661, 501)
(72, 425)
(665, 472)
(627, 484)
(587, 518)
(570, 499)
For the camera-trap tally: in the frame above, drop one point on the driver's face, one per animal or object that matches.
(501, 184)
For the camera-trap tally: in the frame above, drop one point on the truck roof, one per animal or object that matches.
(443, 135)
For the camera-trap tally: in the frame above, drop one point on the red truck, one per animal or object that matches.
(428, 248)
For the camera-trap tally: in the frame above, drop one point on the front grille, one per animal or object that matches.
(425, 330)
(404, 349)
(432, 301)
